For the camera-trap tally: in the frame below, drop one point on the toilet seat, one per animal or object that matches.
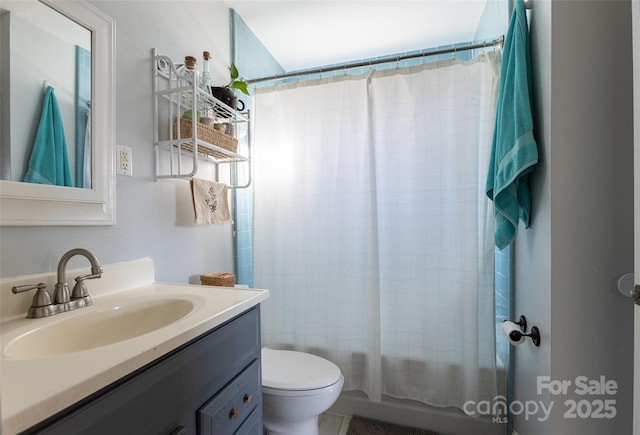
(297, 371)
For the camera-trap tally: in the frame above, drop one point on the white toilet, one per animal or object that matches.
(296, 388)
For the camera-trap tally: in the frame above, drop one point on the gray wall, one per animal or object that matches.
(581, 238)
(154, 219)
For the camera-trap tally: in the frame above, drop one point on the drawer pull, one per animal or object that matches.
(248, 398)
(234, 413)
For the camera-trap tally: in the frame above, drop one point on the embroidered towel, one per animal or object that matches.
(210, 202)
(514, 152)
(49, 161)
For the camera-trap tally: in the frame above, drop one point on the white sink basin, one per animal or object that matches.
(94, 329)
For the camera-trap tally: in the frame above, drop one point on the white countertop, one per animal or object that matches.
(35, 388)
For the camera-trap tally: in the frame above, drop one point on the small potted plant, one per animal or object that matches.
(226, 93)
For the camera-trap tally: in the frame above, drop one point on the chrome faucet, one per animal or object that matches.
(41, 306)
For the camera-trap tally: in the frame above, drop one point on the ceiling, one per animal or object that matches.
(310, 33)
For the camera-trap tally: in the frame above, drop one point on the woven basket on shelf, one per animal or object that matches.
(208, 134)
(218, 279)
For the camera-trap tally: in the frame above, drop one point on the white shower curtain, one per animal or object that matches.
(372, 230)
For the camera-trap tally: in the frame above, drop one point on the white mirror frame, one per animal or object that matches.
(27, 204)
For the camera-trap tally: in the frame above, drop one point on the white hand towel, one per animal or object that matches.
(210, 202)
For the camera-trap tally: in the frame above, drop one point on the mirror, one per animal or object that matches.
(82, 77)
(45, 49)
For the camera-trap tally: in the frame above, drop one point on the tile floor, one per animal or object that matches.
(333, 424)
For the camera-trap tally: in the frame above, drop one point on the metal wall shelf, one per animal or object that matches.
(178, 92)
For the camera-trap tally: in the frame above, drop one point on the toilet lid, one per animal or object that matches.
(290, 370)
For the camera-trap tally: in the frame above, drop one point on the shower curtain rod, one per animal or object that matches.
(389, 59)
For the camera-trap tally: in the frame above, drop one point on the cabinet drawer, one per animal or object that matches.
(229, 409)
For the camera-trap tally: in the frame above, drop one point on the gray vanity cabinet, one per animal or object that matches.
(209, 386)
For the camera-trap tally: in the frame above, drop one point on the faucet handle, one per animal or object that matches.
(93, 275)
(27, 287)
(41, 297)
(41, 304)
(80, 294)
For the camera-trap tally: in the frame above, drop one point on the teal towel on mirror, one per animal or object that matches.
(514, 152)
(49, 161)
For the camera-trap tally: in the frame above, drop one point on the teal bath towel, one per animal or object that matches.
(49, 161)
(514, 152)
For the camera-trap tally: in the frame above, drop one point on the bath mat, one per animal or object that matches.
(366, 426)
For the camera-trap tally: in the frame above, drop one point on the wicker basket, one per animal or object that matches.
(218, 279)
(208, 134)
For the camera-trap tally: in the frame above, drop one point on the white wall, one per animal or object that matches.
(581, 238)
(153, 218)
